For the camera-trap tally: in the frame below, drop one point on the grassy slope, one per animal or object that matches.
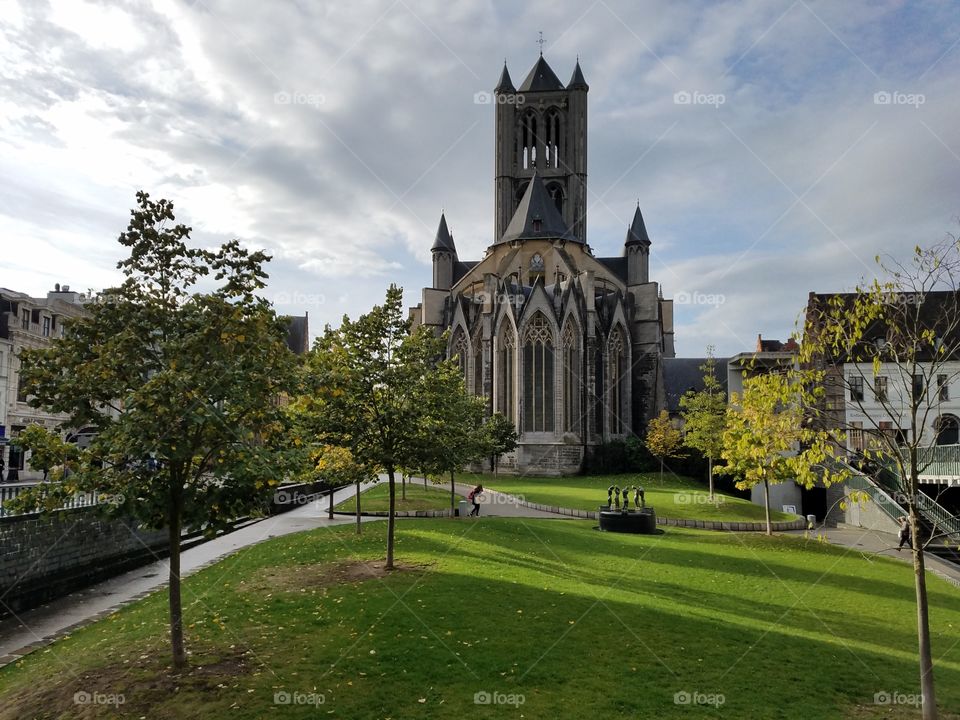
(676, 497)
(582, 624)
(377, 498)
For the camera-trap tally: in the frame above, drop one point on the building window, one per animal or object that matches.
(943, 387)
(459, 352)
(478, 364)
(616, 354)
(880, 388)
(538, 376)
(21, 390)
(505, 372)
(855, 382)
(25, 319)
(571, 379)
(918, 387)
(948, 430)
(856, 436)
(46, 326)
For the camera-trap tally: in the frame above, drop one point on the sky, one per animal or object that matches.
(776, 148)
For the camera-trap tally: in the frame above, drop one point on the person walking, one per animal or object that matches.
(904, 533)
(474, 497)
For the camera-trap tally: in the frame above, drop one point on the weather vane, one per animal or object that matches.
(540, 43)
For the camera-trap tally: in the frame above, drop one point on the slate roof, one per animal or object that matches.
(444, 240)
(536, 217)
(298, 334)
(637, 233)
(683, 374)
(540, 79)
(577, 81)
(506, 84)
(616, 265)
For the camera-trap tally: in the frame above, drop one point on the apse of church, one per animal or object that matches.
(566, 344)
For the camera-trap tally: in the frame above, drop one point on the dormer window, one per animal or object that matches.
(537, 225)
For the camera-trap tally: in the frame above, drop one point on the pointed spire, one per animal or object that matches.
(536, 217)
(541, 78)
(637, 234)
(444, 241)
(505, 86)
(577, 81)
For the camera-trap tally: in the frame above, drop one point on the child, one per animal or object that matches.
(474, 497)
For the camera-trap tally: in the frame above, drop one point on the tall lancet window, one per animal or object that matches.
(617, 358)
(538, 376)
(528, 140)
(552, 139)
(570, 342)
(460, 350)
(506, 369)
(478, 363)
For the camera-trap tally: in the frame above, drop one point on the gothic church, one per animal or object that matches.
(566, 344)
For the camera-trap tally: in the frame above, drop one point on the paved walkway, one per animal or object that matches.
(882, 543)
(34, 628)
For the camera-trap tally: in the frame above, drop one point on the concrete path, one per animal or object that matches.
(881, 543)
(23, 633)
(495, 504)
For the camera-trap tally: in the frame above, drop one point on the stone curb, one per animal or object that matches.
(725, 525)
(398, 513)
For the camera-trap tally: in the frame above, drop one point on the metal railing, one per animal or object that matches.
(10, 491)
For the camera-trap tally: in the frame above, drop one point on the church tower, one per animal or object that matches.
(541, 128)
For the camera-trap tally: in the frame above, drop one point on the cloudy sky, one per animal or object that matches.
(817, 135)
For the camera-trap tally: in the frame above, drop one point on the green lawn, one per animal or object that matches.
(578, 623)
(676, 497)
(377, 498)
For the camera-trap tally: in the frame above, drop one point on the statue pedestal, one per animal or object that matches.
(642, 521)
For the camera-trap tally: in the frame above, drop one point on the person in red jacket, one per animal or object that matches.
(474, 497)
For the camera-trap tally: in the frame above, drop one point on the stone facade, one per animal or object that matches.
(566, 344)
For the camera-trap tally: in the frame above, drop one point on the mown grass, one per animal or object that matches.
(377, 498)
(673, 497)
(579, 623)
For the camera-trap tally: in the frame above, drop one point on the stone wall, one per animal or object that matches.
(46, 556)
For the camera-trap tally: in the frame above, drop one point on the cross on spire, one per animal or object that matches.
(540, 43)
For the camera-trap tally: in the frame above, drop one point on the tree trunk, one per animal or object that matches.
(453, 496)
(927, 690)
(403, 485)
(358, 507)
(496, 466)
(176, 606)
(661, 472)
(710, 474)
(391, 519)
(330, 509)
(766, 505)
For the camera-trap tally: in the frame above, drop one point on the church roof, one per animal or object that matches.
(541, 79)
(683, 374)
(444, 239)
(637, 234)
(616, 265)
(536, 217)
(577, 81)
(506, 84)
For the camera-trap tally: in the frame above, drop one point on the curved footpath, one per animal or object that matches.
(24, 633)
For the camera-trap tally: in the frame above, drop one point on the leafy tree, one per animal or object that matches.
(338, 464)
(502, 436)
(368, 384)
(903, 327)
(663, 439)
(767, 441)
(180, 385)
(49, 453)
(705, 416)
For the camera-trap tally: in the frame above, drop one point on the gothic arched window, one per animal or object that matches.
(478, 363)
(528, 140)
(552, 138)
(570, 342)
(555, 190)
(617, 359)
(538, 376)
(459, 349)
(506, 362)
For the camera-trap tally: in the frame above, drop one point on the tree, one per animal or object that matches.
(181, 387)
(367, 384)
(663, 439)
(889, 350)
(767, 441)
(705, 416)
(503, 438)
(338, 464)
(49, 453)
